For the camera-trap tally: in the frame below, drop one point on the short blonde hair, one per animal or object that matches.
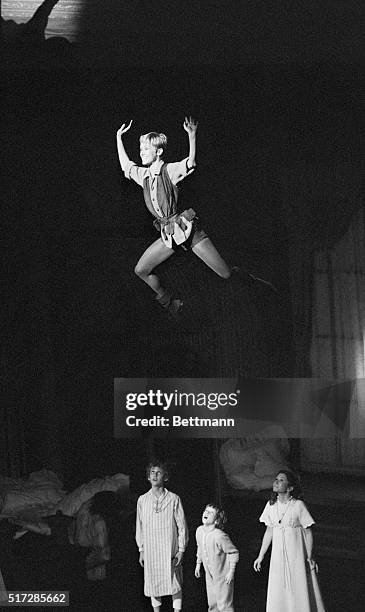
(156, 140)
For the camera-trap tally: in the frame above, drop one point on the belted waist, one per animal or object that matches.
(168, 223)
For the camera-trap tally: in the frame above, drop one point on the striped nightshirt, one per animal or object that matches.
(161, 532)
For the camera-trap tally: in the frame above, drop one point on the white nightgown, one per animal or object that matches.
(292, 586)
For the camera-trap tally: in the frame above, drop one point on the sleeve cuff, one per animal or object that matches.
(189, 170)
(127, 169)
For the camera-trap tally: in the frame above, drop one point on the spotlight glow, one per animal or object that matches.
(64, 19)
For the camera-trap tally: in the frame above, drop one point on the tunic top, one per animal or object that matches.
(292, 586)
(161, 532)
(161, 196)
(216, 551)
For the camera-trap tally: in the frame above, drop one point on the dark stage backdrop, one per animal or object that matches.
(279, 156)
(185, 32)
(75, 228)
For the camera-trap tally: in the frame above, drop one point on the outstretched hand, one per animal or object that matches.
(190, 125)
(124, 128)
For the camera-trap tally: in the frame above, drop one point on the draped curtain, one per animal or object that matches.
(339, 306)
(323, 209)
(320, 195)
(337, 348)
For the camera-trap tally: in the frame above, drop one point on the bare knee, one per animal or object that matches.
(141, 271)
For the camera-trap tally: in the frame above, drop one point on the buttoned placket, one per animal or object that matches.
(153, 192)
(205, 551)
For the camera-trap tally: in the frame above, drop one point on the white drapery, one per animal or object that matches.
(338, 346)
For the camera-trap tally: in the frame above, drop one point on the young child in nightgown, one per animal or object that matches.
(293, 584)
(219, 557)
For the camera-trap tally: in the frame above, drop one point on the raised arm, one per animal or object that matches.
(123, 157)
(190, 126)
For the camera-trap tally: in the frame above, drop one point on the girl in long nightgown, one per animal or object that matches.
(293, 584)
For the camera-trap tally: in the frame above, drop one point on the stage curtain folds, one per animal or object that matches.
(338, 348)
(320, 196)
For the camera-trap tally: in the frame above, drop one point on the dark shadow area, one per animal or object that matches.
(74, 228)
(219, 34)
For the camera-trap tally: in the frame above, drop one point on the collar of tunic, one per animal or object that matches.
(155, 169)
